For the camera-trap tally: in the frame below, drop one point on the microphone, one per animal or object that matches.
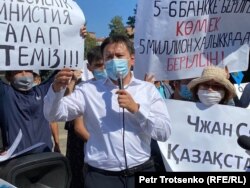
(244, 142)
(120, 84)
(119, 80)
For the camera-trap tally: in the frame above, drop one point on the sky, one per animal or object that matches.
(99, 13)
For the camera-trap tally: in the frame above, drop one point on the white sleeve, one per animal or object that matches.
(154, 118)
(58, 107)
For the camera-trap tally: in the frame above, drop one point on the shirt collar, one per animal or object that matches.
(132, 82)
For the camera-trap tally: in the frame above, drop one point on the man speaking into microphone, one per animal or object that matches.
(121, 113)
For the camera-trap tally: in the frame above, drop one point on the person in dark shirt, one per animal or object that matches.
(21, 108)
(53, 125)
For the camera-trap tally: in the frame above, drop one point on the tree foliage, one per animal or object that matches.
(44, 74)
(90, 42)
(131, 19)
(131, 23)
(117, 27)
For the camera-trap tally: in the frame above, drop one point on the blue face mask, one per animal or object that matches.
(185, 93)
(100, 74)
(23, 83)
(116, 66)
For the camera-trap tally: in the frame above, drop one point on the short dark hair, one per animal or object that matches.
(118, 39)
(94, 55)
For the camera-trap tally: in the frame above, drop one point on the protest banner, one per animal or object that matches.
(177, 39)
(205, 138)
(40, 35)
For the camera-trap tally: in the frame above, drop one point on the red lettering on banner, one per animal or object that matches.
(194, 61)
(191, 27)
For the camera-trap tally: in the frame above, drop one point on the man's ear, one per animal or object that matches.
(132, 57)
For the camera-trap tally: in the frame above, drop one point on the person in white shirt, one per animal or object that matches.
(121, 120)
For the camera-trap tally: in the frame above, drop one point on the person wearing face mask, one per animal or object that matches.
(21, 108)
(213, 87)
(121, 113)
(96, 64)
(181, 91)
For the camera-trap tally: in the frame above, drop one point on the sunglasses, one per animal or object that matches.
(213, 86)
